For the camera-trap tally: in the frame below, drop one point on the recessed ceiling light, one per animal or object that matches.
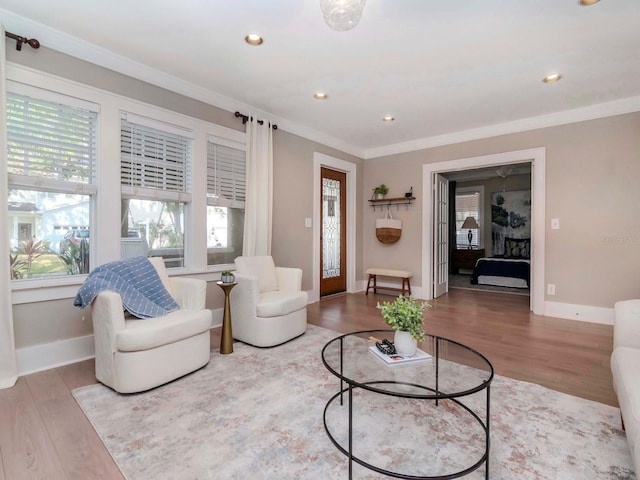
(552, 78)
(588, 2)
(320, 96)
(253, 39)
(388, 118)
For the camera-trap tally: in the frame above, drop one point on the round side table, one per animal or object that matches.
(226, 341)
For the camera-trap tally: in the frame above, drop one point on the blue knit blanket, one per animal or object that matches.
(136, 281)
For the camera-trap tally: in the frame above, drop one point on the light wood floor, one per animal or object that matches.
(45, 435)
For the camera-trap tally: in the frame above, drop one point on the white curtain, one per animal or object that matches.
(259, 202)
(8, 367)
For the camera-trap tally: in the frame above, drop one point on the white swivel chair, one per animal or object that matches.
(268, 306)
(133, 355)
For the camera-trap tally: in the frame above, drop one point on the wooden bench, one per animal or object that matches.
(405, 275)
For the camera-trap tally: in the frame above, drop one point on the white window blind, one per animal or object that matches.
(467, 205)
(50, 140)
(154, 159)
(226, 172)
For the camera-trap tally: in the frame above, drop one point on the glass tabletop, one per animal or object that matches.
(451, 369)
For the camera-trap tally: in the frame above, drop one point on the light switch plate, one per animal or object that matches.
(307, 222)
(555, 224)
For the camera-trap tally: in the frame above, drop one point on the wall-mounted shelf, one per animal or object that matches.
(387, 202)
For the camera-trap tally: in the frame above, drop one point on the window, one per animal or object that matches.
(468, 203)
(226, 195)
(51, 157)
(155, 168)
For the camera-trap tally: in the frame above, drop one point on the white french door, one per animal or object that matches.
(441, 236)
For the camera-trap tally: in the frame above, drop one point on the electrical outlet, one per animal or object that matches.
(551, 289)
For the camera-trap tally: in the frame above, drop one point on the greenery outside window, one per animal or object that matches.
(155, 166)
(51, 156)
(226, 195)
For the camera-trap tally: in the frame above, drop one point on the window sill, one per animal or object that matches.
(66, 287)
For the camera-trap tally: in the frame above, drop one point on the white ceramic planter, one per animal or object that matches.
(228, 278)
(405, 344)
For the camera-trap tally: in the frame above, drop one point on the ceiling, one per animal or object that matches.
(447, 71)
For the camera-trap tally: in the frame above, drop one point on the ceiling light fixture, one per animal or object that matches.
(253, 39)
(552, 78)
(588, 2)
(320, 96)
(342, 15)
(388, 118)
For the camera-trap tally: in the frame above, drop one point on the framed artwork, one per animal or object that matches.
(510, 218)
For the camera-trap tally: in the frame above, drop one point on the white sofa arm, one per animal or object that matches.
(189, 293)
(289, 279)
(107, 315)
(626, 327)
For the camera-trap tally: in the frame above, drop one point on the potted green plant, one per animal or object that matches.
(380, 191)
(405, 316)
(227, 276)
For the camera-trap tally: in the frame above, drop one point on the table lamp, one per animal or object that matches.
(471, 224)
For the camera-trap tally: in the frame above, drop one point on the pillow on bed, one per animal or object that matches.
(517, 248)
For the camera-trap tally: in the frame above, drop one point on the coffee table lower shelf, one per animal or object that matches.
(352, 458)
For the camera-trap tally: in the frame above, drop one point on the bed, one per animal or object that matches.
(513, 269)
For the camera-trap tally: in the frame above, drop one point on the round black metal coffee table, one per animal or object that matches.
(454, 371)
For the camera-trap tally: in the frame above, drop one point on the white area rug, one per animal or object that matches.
(257, 413)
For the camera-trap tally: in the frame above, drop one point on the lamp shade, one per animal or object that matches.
(470, 223)
(342, 15)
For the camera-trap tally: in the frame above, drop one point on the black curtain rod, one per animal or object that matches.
(32, 42)
(245, 119)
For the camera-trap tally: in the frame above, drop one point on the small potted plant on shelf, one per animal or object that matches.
(227, 277)
(380, 191)
(405, 316)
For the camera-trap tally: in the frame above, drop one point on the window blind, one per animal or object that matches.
(154, 159)
(50, 140)
(226, 172)
(467, 205)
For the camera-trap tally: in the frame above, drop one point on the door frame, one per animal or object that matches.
(537, 158)
(322, 160)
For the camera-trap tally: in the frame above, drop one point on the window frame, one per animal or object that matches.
(179, 142)
(45, 184)
(212, 201)
(479, 189)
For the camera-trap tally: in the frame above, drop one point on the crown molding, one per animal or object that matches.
(592, 112)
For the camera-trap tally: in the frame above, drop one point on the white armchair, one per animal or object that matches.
(133, 355)
(268, 306)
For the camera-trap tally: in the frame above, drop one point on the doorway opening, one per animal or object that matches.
(489, 206)
(433, 256)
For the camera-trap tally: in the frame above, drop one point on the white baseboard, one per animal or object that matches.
(41, 357)
(216, 320)
(55, 354)
(581, 313)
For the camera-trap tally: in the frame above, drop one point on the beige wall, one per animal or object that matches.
(293, 163)
(592, 173)
(44, 322)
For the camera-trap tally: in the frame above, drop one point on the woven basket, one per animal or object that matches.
(388, 230)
